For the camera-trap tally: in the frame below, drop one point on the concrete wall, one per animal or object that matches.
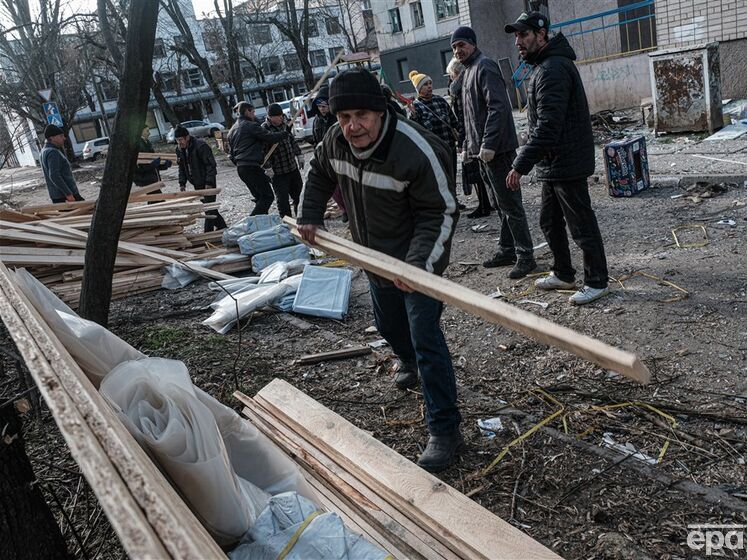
(733, 69)
(424, 57)
(685, 22)
(616, 84)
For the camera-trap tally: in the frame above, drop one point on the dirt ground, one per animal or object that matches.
(681, 309)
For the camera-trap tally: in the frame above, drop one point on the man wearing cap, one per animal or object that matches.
(433, 112)
(490, 135)
(560, 148)
(286, 161)
(398, 186)
(56, 168)
(197, 165)
(247, 141)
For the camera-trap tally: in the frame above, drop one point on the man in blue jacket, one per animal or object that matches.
(56, 168)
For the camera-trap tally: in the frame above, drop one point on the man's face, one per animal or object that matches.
(249, 114)
(58, 140)
(323, 109)
(360, 127)
(427, 90)
(276, 120)
(529, 42)
(462, 50)
(182, 141)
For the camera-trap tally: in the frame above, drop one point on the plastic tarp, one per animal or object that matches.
(294, 252)
(248, 225)
(232, 308)
(266, 240)
(178, 275)
(224, 469)
(282, 269)
(323, 292)
(292, 528)
(96, 350)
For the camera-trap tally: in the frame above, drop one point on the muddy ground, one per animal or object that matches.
(681, 309)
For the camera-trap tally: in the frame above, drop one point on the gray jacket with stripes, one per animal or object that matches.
(400, 200)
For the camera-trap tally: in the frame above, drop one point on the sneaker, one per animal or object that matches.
(587, 294)
(522, 268)
(441, 452)
(552, 282)
(405, 376)
(501, 258)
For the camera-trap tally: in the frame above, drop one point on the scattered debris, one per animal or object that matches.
(730, 223)
(378, 343)
(497, 294)
(687, 227)
(488, 428)
(542, 304)
(684, 294)
(626, 449)
(333, 355)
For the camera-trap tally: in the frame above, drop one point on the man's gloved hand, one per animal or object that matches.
(287, 134)
(300, 161)
(168, 163)
(182, 188)
(487, 155)
(156, 162)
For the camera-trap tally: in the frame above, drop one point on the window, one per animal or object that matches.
(271, 65)
(247, 71)
(85, 131)
(332, 52)
(109, 90)
(213, 40)
(102, 142)
(446, 57)
(261, 34)
(291, 62)
(192, 77)
(446, 8)
(159, 50)
(416, 9)
(403, 68)
(333, 26)
(180, 41)
(313, 28)
(317, 58)
(168, 81)
(366, 4)
(395, 20)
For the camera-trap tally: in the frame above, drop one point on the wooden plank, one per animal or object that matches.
(494, 311)
(71, 260)
(333, 355)
(178, 195)
(12, 216)
(178, 529)
(62, 206)
(468, 529)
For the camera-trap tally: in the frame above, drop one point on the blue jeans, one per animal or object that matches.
(410, 323)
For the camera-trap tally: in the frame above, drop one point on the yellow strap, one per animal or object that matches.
(297, 535)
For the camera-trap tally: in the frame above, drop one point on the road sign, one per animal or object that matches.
(55, 120)
(46, 94)
(53, 113)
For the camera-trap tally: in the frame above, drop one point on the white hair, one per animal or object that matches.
(454, 68)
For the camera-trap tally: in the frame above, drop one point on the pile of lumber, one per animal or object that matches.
(376, 491)
(147, 157)
(50, 241)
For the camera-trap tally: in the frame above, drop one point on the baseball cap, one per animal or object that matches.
(533, 21)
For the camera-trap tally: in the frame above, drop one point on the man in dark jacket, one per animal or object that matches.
(247, 141)
(490, 135)
(561, 149)
(286, 161)
(397, 182)
(323, 121)
(197, 165)
(148, 173)
(56, 168)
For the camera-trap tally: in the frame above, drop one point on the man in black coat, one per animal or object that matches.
(148, 173)
(197, 165)
(561, 149)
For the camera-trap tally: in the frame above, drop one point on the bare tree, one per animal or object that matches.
(101, 247)
(230, 31)
(354, 23)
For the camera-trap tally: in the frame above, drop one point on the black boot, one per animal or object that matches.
(522, 268)
(441, 451)
(501, 258)
(405, 376)
(479, 212)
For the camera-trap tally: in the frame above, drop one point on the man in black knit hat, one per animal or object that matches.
(56, 168)
(397, 182)
(286, 161)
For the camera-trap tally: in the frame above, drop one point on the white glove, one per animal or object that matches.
(299, 160)
(487, 155)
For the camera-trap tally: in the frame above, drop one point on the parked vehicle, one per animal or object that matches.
(304, 125)
(198, 129)
(95, 148)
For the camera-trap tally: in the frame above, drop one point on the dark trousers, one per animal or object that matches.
(568, 202)
(259, 185)
(216, 221)
(410, 323)
(285, 185)
(515, 236)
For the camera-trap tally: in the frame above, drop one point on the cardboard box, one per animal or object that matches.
(626, 166)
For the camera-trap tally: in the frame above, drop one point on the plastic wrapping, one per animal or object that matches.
(96, 350)
(323, 292)
(178, 275)
(266, 240)
(248, 225)
(263, 260)
(293, 526)
(280, 270)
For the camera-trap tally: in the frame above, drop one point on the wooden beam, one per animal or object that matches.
(333, 355)
(62, 206)
(492, 310)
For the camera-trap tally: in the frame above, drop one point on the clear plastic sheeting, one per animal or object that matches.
(280, 270)
(323, 292)
(178, 275)
(248, 225)
(96, 350)
(266, 240)
(232, 308)
(263, 260)
(292, 528)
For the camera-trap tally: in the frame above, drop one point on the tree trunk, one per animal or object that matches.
(103, 237)
(166, 109)
(27, 527)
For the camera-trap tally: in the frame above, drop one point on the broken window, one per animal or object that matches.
(317, 58)
(192, 77)
(446, 9)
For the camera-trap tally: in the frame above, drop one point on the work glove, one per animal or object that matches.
(168, 163)
(487, 155)
(300, 161)
(182, 187)
(156, 162)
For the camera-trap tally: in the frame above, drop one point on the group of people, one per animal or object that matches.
(395, 179)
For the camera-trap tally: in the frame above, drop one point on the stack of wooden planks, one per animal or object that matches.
(50, 241)
(376, 491)
(147, 157)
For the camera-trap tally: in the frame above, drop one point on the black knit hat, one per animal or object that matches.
(274, 110)
(52, 130)
(180, 132)
(465, 34)
(356, 89)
